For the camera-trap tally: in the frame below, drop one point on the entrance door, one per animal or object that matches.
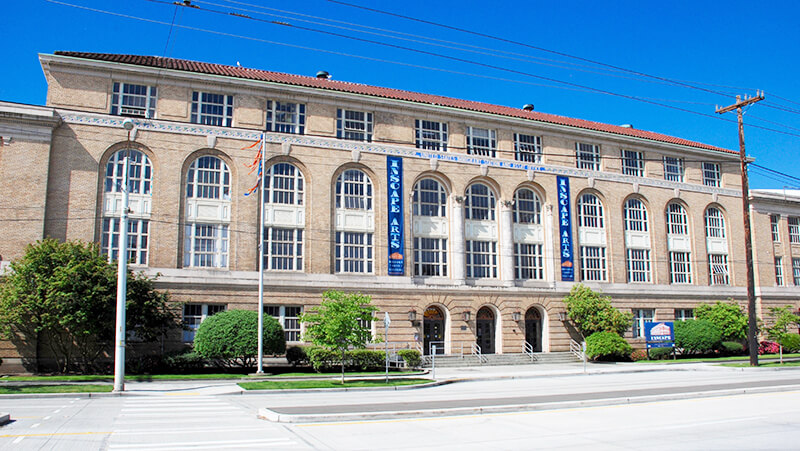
(484, 330)
(533, 329)
(433, 330)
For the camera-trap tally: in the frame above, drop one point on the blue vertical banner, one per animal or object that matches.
(565, 230)
(394, 174)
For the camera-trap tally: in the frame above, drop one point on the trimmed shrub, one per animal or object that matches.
(732, 348)
(790, 342)
(296, 355)
(412, 357)
(697, 336)
(322, 359)
(366, 359)
(729, 317)
(639, 354)
(230, 338)
(660, 353)
(768, 347)
(607, 346)
(184, 362)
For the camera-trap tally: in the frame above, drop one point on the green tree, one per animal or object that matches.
(230, 338)
(783, 319)
(340, 322)
(592, 312)
(697, 336)
(64, 295)
(729, 318)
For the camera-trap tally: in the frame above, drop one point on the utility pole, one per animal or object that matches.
(752, 342)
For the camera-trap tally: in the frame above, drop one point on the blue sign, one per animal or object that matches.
(659, 334)
(394, 174)
(565, 230)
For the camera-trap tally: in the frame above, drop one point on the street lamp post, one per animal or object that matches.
(122, 271)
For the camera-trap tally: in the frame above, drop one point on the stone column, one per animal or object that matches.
(457, 265)
(506, 239)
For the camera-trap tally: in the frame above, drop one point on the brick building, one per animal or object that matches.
(466, 222)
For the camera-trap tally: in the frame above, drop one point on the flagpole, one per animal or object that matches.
(260, 369)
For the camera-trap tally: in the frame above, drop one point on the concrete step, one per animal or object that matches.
(450, 361)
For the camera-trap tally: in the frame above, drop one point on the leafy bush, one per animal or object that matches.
(607, 346)
(412, 357)
(729, 318)
(322, 359)
(697, 336)
(768, 347)
(660, 353)
(732, 348)
(366, 359)
(296, 355)
(230, 338)
(639, 354)
(591, 312)
(790, 342)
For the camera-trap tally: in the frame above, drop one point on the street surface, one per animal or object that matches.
(166, 416)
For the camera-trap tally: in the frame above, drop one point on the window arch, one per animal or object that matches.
(637, 241)
(429, 211)
(715, 223)
(528, 235)
(717, 246)
(635, 216)
(679, 244)
(284, 218)
(208, 204)
(590, 212)
(481, 241)
(140, 181)
(677, 220)
(353, 250)
(480, 203)
(592, 236)
(527, 207)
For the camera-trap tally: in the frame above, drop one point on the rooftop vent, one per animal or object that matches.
(527, 107)
(323, 75)
(626, 126)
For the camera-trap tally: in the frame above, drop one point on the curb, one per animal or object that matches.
(4, 418)
(275, 417)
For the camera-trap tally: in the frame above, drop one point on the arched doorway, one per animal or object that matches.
(533, 328)
(433, 330)
(484, 330)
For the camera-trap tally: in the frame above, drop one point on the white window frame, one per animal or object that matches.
(774, 223)
(481, 142)
(288, 317)
(208, 100)
(283, 249)
(284, 185)
(286, 117)
(677, 219)
(354, 190)
(354, 253)
(718, 269)
(638, 265)
(283, 240)
(673, 169)
(715, 223)
(208, 178)
(632, 163)
(431, 135)
(527, 208)
(428, 200)
(641, 316)
(129, 99)
(197, 257)
(481, 257)
(354, 125)
(429, 212)
(587, 156)
(680, 268)
(635, 213)
(590, 211)
(712, 176)
(528, 148)
(779, 271)
(480, 206)
(528, 261)
(196, 319)
(794, 229)
(140, 182)
(594, 263)
(138, 240)
(430, 256)
(796, 271)
(684, 314)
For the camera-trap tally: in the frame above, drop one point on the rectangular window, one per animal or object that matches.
(641, 316)
(354, 252)
(289, 318)
(673, 169)
(206, 246)
(794, 230)
(587, 156)
(593, 263)
(632, 163)
(133, 100)
(711, 174)
(718, 269)
(212, 109)
(430, 257)
(528, 148)
(481, 141)
(528, 261)
(680, 267)
(774, 221)
(283, 249)
(683, 314)
(353, 125)
(481, 259)
(286, 117)
(138, 233)
(431, 135)
(796, 271)
(194, 314)
(638, 265)
(779, 271)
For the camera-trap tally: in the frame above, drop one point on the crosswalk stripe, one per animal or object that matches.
(221, 444)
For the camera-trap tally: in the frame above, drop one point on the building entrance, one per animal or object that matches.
(433, 330)
(533, 329)
(484, 330)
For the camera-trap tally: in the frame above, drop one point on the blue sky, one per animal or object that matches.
(728, 47)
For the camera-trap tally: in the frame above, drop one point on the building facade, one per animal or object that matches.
(467, 222)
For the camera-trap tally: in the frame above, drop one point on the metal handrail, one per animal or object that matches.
(476, 351)
(527, 349)
(576, 349)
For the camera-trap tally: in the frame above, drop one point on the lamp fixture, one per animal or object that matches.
(562, 316)
(516, 316)
(467, 315)
(412, 315)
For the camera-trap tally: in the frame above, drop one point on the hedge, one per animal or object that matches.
(607, 346)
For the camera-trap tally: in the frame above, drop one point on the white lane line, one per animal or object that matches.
(222, 444)
(708, 423)
(47, 417)
(173, 430)
(18, 439)
(172, 409)
(36, 425)
(59, 410)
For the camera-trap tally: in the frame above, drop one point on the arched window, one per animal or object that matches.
(637, 241)
(528, 236)
(717, 247)
(429, 211)
(480, 233)
(284, 218)
(679, 244)
(208, 203)
(592, 238)
(354, 223)
(140, 180)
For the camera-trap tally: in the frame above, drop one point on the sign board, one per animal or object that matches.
(659, 334)
(386, 320)
(565, 230)
(394, 174)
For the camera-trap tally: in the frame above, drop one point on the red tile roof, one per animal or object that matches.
(355, 88)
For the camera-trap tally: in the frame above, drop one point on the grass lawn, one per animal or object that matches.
(348, 374)
(718, 359)
(16, 389)
(295, 385)
(766, 364)
(134, 377)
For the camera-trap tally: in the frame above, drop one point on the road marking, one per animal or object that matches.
(169, 428)
(221, 444)
(19, 439)
(47, 417)
(59, 410)
(184, 394)
(54, 434)
(36, 425)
